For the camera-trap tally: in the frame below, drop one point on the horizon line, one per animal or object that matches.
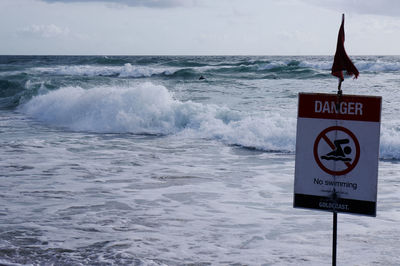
(198, 55)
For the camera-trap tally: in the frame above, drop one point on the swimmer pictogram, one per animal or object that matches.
(339, 154)
(336, 150)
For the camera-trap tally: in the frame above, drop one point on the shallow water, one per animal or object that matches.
(133, 160)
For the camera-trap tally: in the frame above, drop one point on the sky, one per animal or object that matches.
(197, 27)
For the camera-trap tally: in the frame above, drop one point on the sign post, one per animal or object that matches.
(337, 151)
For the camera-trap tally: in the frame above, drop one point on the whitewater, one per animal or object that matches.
(133, 160)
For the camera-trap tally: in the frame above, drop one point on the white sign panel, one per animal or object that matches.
(337, 150)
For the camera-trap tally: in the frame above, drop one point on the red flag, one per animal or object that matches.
(342, 61)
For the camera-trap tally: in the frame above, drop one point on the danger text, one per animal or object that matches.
(349, 108)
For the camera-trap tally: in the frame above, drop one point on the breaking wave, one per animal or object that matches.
(151, 109)
(218, 67)
(390, 142)
(127, 70)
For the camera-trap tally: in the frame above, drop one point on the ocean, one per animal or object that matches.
(134, 160)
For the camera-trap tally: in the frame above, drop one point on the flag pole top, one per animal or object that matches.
(341, 60)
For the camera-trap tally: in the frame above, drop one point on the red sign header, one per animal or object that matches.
(347, 107)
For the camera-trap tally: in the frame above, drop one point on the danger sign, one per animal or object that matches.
(337, 150)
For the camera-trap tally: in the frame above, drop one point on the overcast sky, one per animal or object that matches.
(198, 27)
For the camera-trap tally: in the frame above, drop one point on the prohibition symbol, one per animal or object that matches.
(336, 150)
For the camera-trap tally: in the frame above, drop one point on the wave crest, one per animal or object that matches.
(151, 109)
(127, 70)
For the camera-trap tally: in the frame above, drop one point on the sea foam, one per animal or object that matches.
(151, 109)
(127, 70)
(389, 142)
(147, 108)
(362, 65)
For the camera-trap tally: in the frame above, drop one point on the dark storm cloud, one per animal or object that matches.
(371, 7)
(145, 3)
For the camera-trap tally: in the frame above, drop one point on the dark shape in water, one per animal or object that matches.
(202, 77)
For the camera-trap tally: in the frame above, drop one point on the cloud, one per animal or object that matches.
(371, 7)
(144, 3)
(45, 31)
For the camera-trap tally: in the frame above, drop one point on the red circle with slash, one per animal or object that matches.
(322, 135)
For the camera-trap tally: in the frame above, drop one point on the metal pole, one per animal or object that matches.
(334, 242)
(340, 86)
(334, 196)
